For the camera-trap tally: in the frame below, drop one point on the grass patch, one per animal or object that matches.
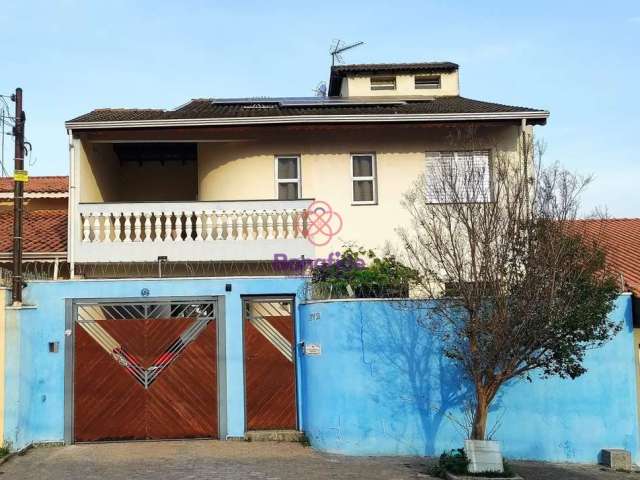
(5, 450)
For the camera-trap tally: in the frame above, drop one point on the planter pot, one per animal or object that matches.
(483, 455)
(451, 476)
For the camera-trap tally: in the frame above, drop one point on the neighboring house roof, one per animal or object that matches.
(200, 112)
(44, 232)
(620, 237)
(338, 72)
(38, 186)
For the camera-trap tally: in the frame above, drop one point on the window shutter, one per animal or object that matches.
(433, 167)
(470, 171)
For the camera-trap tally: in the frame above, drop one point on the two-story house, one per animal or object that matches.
(177, 323)
(221, 180)
(215, 190)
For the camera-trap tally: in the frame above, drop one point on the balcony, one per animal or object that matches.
(191, 231)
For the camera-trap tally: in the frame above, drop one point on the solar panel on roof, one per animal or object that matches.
(305, 101)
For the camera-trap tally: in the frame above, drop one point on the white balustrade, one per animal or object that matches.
(171, 227)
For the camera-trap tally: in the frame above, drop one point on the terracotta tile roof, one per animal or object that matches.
(45, 231)
(38, 184)
(621, 239)
(202, 108)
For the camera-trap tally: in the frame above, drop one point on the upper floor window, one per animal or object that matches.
(383, 83)
(427, 81)
(363, 177)
(459, 176)
(288, 177)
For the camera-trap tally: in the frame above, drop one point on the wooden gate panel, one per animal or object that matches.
(269, 371)
(107, 399)
(145, 378)
(181, 401)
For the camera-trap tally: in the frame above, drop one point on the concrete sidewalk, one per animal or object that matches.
(212, 460)
(567, 471)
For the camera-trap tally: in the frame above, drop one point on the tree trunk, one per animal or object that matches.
(480, 414)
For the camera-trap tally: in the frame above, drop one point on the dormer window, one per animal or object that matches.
(427, 81)
(383, 83)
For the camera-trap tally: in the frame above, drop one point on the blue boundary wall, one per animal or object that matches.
(34, 378)
(381, 386)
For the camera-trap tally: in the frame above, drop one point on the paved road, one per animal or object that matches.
(202, 459)
(546, 471)
(212, 460)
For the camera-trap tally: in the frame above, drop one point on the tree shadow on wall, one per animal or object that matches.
(412, 377)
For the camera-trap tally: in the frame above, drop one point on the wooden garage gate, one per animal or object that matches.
(145, 370)
(269, 346)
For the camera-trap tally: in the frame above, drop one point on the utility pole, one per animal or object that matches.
(19, 177)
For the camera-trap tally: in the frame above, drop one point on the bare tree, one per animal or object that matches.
(516, 290)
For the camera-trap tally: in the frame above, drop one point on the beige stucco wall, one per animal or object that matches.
(360, 86)
(246, 171)
(97, 163)
(173, 181)
(104, 179)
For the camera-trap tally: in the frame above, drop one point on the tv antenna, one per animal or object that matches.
(338, 47)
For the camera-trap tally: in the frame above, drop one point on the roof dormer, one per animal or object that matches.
(395, 80)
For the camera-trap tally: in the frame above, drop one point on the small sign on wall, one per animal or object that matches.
(314, 316)
(312, 349)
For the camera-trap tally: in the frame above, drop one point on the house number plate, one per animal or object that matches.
(312, 349)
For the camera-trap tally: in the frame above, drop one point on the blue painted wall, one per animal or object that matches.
(381, 386)
(34, 378)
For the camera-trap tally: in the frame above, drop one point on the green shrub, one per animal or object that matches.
(5, 450)
(457, 463)
(454, 461)
(360, 273)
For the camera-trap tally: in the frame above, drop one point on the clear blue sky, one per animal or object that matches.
(580, 60)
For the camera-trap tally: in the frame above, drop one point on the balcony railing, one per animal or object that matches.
(183, 231)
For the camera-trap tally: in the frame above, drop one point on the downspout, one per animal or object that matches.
(526, 152)
(71, 203)
(525, 155)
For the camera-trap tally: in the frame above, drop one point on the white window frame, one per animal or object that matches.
(373, 179)
(435, 155)
(297, 180)
(389, 86)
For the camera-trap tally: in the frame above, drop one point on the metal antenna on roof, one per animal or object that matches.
(338, 47)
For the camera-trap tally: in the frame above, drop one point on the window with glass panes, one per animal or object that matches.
(363, 177)
(288, 177)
